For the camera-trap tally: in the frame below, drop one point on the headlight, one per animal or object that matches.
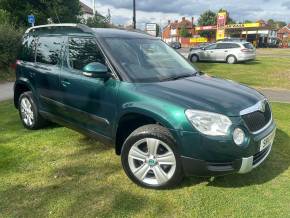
(239, 136)
(209, 123)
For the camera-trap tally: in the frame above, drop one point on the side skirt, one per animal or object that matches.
(103, 139)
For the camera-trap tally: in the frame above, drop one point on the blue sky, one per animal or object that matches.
(160, 11)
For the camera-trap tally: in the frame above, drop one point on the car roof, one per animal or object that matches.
(119, 33)
(70, 29)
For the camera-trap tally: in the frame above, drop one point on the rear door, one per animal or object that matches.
(221, 51)
(48, 65)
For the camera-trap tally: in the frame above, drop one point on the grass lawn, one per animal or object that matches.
(265, 72)
(57, 172)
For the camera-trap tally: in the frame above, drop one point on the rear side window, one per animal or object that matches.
(82, 51)
(248, 46)
(48, 49)
(28, 47)
(233, 45)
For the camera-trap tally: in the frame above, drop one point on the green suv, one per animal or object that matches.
(164, 117)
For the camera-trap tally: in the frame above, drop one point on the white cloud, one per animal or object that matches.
(160, 11)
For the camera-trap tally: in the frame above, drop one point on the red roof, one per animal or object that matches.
(184, 22)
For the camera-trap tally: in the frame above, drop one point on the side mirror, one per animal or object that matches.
(96, 70)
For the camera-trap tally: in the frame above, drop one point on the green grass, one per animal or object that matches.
(57, 172)
(265, 72)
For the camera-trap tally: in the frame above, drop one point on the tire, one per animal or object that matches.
(194, 58)
(28, 112)
(165, 162)
(231, 59)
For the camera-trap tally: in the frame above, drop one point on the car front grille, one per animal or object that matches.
(258, 119)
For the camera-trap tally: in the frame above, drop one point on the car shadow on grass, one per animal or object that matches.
(275, 165)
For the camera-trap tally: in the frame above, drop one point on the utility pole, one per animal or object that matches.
(134, 14)
(94, 7)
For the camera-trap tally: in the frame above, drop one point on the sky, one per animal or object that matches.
(160, 11)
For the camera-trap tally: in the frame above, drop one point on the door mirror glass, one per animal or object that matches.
(96, 70)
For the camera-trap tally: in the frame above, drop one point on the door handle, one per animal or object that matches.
(226, 51)
(65, 83)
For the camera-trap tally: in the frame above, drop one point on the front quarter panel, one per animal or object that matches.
(167, 114)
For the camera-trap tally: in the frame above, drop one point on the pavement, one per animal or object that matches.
(6, 93)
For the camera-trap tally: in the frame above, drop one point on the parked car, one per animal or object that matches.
(230, 52)
(133, 91)
(200, 46)
(175, 45)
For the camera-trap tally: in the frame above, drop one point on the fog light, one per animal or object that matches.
(239, 136)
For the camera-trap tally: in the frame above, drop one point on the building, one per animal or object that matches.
(171, 32)
(284, 36)
(87, 11)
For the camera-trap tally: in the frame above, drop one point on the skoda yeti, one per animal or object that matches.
(164, 117)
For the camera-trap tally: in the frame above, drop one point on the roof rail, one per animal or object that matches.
(80, 26)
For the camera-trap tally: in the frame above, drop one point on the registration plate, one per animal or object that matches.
(267, 141)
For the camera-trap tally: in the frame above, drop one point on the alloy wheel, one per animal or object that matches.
(26, 112)
(152, 161)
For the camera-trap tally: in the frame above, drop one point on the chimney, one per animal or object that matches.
(169, 21)
(176, 21)
(183, 18)
(192, 21)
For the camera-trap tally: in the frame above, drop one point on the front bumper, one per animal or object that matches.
(197, 167)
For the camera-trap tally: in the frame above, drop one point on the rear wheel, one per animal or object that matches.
(194, 58)
(149, 158)
(28, 112)
(231, 59)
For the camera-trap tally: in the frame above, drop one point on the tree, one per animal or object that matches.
(184, 32)
(229, 19)
(276, 24)
(98, 21)
(208, 18)
(58, 10)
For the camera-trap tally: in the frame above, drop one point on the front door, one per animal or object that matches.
(209, 53)
(88, 102)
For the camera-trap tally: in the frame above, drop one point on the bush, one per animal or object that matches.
(10, 42)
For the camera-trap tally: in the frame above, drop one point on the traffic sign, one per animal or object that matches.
(31, 19)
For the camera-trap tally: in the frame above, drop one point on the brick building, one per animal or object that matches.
(171, 33)
(284, 35)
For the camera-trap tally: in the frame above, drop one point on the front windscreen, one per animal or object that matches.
(148, 60)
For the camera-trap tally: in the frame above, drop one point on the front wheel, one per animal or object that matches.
(150, 159)
(194, 58)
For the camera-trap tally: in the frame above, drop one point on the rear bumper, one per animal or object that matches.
(247, 57)
(197, 167)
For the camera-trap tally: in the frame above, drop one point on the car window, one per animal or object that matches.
(233, 45)
(148, 60)
(48, 49)
(213, 46)
(82, 51)
(248, 46)
(221, 46)
(28, 47)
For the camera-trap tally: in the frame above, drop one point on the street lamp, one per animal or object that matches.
(134, 14)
